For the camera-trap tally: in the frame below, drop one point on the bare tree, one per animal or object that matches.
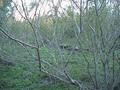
(102, 57)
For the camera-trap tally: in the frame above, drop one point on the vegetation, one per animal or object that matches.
(64, 48)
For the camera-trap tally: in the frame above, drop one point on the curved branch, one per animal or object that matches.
(16, 40)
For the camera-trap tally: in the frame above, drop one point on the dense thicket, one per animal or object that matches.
(78, 45)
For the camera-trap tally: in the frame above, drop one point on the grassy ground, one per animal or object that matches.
(25, 74)
(19, 78)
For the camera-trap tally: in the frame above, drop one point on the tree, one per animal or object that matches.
(96, 44)
(4, 9)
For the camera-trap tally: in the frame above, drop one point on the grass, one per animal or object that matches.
(18, 78)
(25, 74)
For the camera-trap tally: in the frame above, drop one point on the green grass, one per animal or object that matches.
(18, 78)
(25, 75)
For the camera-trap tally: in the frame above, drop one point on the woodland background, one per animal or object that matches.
(76, 47)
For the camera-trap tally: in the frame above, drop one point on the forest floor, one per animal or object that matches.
(19, 78)
(25, 75)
